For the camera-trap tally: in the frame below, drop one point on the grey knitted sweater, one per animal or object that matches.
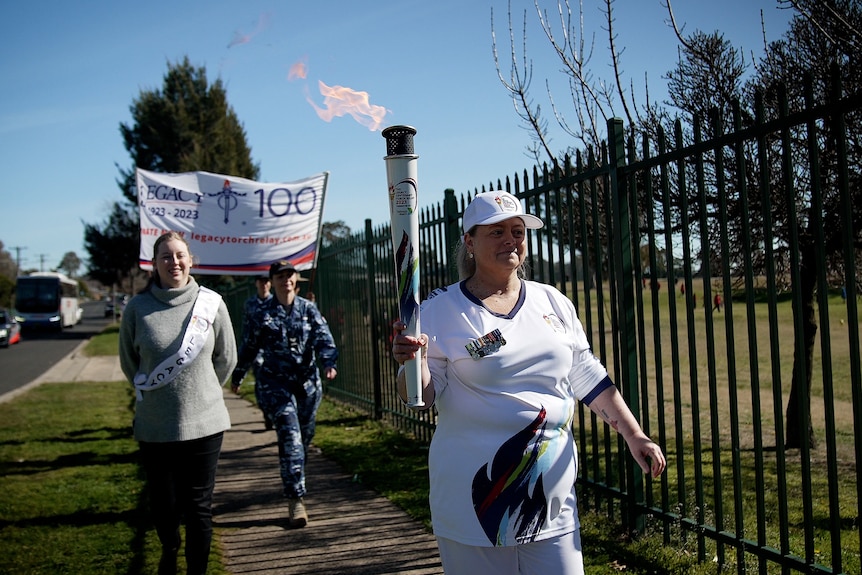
(192, 406)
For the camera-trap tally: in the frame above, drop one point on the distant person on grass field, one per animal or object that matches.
(178, 349)
(293, 338)
(506, 361)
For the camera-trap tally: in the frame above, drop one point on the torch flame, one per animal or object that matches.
(240, 38)
(298, 70)
(339, 100)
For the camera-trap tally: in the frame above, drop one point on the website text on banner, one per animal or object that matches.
(234, 226)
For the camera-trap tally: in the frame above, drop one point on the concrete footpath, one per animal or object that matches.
(351, 531)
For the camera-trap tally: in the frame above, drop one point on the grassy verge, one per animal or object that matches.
(72, 497)
(104, 343)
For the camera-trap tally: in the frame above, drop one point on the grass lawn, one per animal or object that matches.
(72, 496)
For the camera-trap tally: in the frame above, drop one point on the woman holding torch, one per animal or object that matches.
(504, 360)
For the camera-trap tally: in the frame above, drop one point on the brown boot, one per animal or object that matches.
(298, 515)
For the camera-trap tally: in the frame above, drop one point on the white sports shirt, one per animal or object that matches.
(503, 460)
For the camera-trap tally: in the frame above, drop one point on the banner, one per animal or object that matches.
(234, 226)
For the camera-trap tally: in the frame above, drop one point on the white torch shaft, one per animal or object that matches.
(401, 174)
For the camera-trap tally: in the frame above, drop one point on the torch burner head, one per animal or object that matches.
(399, 140)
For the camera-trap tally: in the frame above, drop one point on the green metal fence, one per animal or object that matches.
(756, 399)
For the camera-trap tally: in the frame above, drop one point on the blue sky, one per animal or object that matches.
(72, 70)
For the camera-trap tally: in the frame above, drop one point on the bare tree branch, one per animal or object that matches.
(615, 59)
(851, 41)
(590, 101)
(701, 48)
(518, 87)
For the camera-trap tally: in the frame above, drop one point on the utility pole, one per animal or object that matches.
(18, 258)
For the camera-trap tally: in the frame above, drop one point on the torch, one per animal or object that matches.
(403, 210)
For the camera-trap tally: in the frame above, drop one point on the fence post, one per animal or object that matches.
(451, 230)
(370, 276)
(626, 329)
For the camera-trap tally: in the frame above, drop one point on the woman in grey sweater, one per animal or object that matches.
(177, 347)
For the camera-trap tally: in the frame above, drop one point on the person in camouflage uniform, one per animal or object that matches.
(293, 337)
(252, 306)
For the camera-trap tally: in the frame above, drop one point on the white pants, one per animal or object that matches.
(558, 555)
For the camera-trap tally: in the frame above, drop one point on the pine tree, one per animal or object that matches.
(185, 126)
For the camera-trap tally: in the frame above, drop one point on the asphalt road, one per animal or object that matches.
(37, 352)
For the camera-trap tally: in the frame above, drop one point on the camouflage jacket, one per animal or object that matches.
(250, 309)
(291, 340)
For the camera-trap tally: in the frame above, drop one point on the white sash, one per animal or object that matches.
(203, 313)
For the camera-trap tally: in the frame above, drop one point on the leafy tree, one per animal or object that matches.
(185, 126)
(8, 267)
(70, 264)
(8, 275)
(332, 232)
(7, 289)
(84, 289)
(111, 246)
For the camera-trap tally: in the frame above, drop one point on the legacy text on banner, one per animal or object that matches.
(234, 226)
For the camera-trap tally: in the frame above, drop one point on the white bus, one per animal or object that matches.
(47, 300)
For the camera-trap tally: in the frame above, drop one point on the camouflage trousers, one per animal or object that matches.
(294, 417)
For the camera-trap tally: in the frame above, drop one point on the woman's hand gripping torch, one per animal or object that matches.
(403, 210)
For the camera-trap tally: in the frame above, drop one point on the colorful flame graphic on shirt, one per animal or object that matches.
(504, 496)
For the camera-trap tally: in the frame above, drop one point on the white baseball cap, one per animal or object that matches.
(496, 206)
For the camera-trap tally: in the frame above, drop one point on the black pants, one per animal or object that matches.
(181, 478)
